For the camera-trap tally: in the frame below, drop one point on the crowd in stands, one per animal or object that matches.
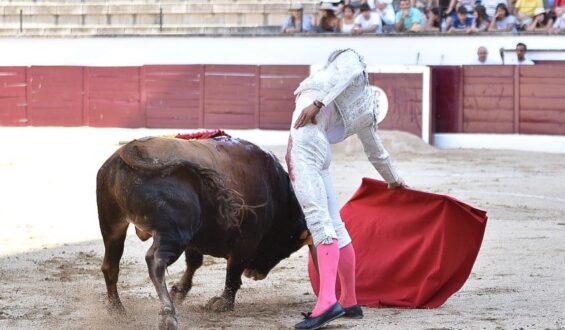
(414, 16)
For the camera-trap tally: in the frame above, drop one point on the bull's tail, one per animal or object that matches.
(212, 186)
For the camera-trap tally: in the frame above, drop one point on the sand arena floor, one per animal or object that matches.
(51, 248)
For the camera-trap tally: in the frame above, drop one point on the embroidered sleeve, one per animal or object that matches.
(377, 154)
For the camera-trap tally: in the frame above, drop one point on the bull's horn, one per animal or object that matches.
(306, 237)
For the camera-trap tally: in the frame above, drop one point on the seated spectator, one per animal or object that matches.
(297, 21)
(328, 21)
(461, 22)
(454, 5)
(490, 6)
(482, 57)
(355, 4)
(409, 19)
(348, 21)
(559, 25)
(423, 5)
(524, 11)
(481, 20)
(502, 20)
(521, 58)
(433, 23)
(367, 21)
(385, 9)
(541, 22)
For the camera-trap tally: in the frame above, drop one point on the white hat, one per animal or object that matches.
(296, 6)
(326, 6)
(539, 11)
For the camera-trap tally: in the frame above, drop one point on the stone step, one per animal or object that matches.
(85, 9)
(147, 30)
(249, 19)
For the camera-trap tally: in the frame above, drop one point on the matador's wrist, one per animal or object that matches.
(318, 104)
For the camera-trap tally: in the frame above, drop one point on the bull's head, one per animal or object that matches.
(287, 235)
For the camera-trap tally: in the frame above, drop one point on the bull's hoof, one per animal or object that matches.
(220, 304)
(177, 295)
(168, 320)
(116, 309)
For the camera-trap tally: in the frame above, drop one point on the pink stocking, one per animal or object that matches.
(328, 258)
(346, 269)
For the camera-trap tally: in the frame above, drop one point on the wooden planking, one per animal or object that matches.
(488, 70)
(488, 99)
(231, 97)
(277, 85)
(172, 95)
(13, 96)
(114, 97)
(542, 71)
(404, 93)
(543, 90)
(55, 96)
(445, 98)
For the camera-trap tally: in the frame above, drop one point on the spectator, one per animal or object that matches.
(348, 21)
(425, 5)
(355, 4)
(524, 11)
(385, 9)
(521, 58)
(461, 22)
(541, 22)
(297, 21)
(559, 25)
(559, 7)
(328, 21)
(454, 5)
(409, 19)
(490, 6)
(367, 21)
(502, 21)
(480, 20)
(433, 23)
(482, 57)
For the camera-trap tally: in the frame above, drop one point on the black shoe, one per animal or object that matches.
(311, 323)
(353, 312)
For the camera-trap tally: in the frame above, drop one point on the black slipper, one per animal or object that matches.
(311, 323)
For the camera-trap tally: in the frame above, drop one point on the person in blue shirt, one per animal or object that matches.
(462, 21)
(297, 21)
(409, 19)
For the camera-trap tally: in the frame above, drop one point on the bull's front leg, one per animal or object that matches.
(226, 301)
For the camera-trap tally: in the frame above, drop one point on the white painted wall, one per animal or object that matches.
(378, 50)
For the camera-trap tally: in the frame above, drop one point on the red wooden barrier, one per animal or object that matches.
(231, 97)
(55, 96)
(277, 94)
(446, 99)
(13, 96)
(404, 93)
(114, 97)
(173, 95)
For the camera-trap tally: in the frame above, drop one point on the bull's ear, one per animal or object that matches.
(306, 238)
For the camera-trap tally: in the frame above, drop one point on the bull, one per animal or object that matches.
(222, 197)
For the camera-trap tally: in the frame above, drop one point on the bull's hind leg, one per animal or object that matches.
(164, 251)
(226, 301)
(114, 229)
(180, 289)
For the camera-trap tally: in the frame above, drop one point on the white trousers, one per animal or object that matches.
(308, 160)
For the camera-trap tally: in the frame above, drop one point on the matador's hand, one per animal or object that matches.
(307, 116)
(397, 184)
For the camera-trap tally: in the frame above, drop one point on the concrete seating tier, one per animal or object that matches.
(141, 17)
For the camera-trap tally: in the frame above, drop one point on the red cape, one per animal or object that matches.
(414, 249)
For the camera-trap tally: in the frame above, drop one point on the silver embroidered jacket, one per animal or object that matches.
(344, 82)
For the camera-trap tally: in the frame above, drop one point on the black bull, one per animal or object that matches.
(221, 197)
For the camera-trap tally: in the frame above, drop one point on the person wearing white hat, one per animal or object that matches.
(328, 21)
(331, 105)
(541, 21)
(297, 21)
